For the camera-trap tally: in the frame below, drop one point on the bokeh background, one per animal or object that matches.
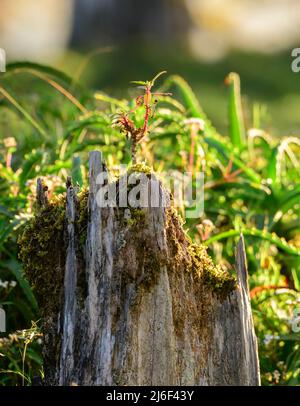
(107, 43)
(50, 121)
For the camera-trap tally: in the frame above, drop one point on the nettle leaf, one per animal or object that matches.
(139, 82)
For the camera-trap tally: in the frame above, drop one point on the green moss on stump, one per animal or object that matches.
(43, 248)
(43, 245)
(141, 168)
(81, 223)
(195, 259)
(42, 252)
(217, 279)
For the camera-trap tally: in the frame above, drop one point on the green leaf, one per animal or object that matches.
(272, 166)
(191, 102)
(138, 82)
(24, 112)
(236, 119)
(15, 268)
(227, 152)
(296, 278)
(28, 171)
(23, 66)
(76, 171)
(158, 75)
(253, 232)
(123, 104)
(96, 121)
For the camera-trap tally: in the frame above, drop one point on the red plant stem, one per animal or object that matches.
(146, 120)
(8, 160)
(147, 100)
(258, 289)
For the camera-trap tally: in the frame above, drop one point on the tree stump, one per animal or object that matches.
(127, 299)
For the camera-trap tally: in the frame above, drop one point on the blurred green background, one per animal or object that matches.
(107, 43)
(49, 122)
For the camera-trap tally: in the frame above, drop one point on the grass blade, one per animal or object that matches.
(235, 111)
(28, 117)
(191, 102)
(253, 232)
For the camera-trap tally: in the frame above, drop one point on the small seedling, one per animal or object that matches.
(148, 102)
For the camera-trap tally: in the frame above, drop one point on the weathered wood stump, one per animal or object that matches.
(129, 300)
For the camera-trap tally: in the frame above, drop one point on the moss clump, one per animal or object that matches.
(124, 185)
(143, 260)
(42, 252)
(195, 259)
(213, 276)
(141, 168)
(136, 175)
(82, 209)
(135, 217)
(43, 245)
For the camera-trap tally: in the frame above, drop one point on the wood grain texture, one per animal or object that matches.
(144, 320)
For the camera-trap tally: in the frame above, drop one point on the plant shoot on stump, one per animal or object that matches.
(137, 134)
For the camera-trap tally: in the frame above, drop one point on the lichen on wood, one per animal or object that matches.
(136, 302)
(196, 259)
(42, 252)
(43, 244)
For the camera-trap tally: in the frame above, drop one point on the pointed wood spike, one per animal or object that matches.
(241, 264)
(69, 182)
(41, 193)
(95, 168)
(70, 283)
